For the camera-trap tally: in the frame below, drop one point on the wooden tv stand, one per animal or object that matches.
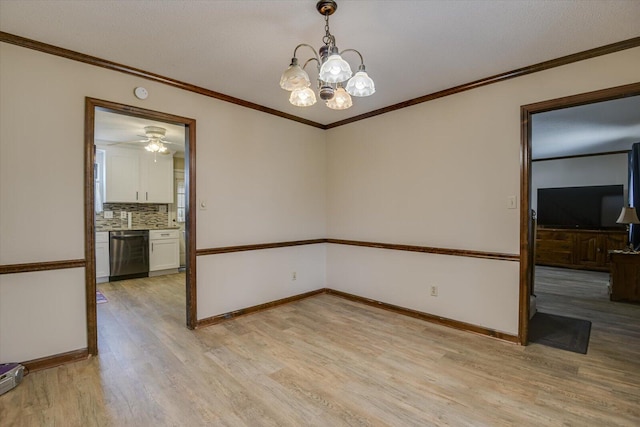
(577, 248)
(625, 276)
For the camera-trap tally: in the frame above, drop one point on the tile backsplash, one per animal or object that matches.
(142, 215)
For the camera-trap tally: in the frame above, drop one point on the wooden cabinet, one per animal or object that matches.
(137, 176)
(589, 250)
(102, 256)
(164, 250)
(625, 276)
(554, 247)
(580, 249)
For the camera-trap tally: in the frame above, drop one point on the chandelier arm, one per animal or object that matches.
(359, 54)
(312, 59)
(315, 55)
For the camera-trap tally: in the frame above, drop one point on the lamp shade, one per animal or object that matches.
(335, 70)
(628, 215)
(361, 85)
(340, 101)
(304, 97)
(294, 77)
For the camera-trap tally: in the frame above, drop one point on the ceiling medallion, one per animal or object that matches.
(336, 81)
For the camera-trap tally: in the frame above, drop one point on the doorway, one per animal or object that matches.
(92, 196)
(527, 233)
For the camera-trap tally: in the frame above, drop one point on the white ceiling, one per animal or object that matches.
(240, 48)
(128, 131)
(588, 129)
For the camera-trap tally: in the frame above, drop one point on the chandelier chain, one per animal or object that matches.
(328, 39)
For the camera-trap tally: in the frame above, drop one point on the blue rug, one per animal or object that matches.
(100, 298)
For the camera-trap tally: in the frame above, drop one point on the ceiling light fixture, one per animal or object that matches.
(155, 135)
(155, 146)
(333, 71)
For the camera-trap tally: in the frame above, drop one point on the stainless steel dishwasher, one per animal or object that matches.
(128, 254)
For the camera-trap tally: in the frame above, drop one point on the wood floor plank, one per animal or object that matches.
(327, 361)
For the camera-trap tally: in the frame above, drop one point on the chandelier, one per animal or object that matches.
(336, 82)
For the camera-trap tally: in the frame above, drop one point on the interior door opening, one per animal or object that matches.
(583, 254)
(140, 187)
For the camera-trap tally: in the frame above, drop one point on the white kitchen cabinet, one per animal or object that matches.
(156, 177)
(122, 175)
(102, 256)
(164, 250)
(137, 176)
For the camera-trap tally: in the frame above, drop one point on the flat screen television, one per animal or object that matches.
(595, 207)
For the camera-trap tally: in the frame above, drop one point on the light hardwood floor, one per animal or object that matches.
(585, 295)
(323, 361)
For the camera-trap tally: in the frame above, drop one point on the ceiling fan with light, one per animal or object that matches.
(155, 139)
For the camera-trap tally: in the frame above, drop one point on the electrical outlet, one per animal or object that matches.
(108, 214)
(434, 291)
(294, 276)
(123, 215)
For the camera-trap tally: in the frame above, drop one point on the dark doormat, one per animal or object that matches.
(561, 332)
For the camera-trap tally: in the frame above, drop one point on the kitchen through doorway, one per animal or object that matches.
(139, 173)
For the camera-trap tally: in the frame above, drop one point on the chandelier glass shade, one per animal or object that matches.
(302, 97)
(335, 70)
(361, 84)
(294, 77)
(336, 82)
(341, 100)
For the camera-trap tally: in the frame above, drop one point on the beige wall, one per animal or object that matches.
(178, 163)
(439, 174)
(435, 174)
(41, 314)
(262, 176)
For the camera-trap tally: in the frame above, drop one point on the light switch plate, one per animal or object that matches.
(108, 214)
(202, 205)
(512, 202)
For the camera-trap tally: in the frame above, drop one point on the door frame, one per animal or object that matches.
(89, 208)
(526, 238)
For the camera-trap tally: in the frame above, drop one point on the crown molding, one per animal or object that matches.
(114, 66)
(569, 59)
(99, 62)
